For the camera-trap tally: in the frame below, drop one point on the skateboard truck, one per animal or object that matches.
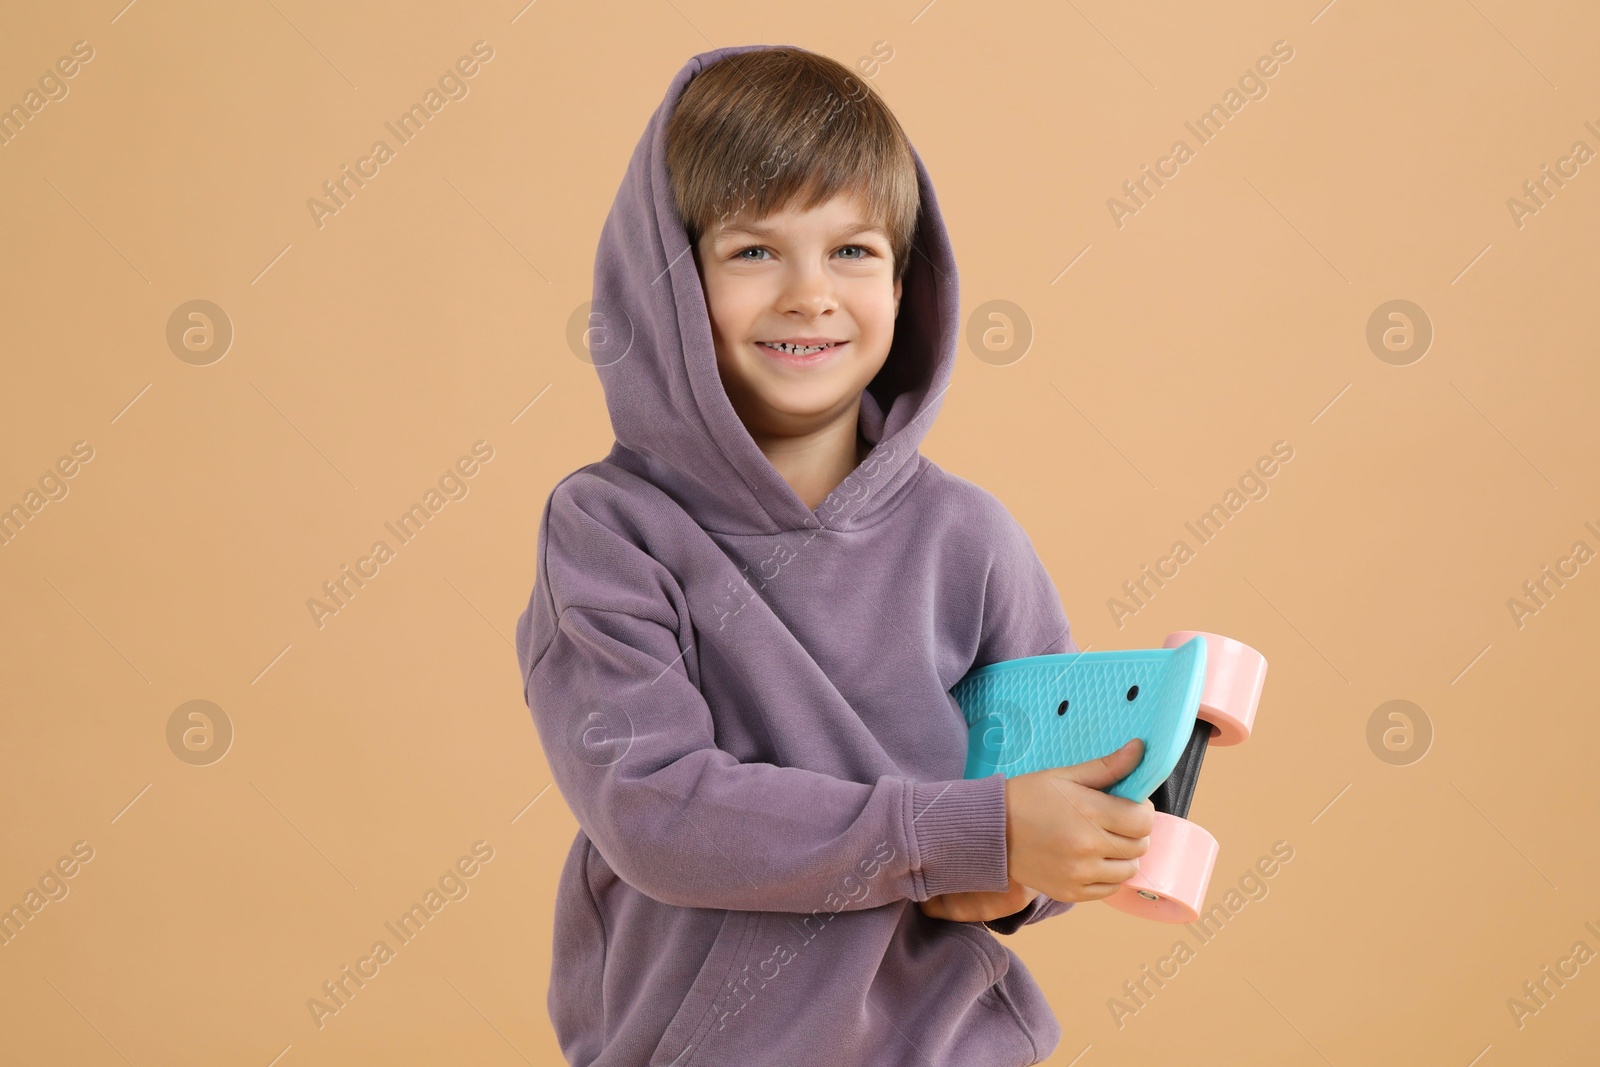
(1198, 690)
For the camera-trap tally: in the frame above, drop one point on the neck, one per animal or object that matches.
(816, 463)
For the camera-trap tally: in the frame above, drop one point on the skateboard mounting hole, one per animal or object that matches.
(1147, 894)
(1062, 710)
(1133, 691)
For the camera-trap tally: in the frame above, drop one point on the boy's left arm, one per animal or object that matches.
(1022, 616)
(1042, 908)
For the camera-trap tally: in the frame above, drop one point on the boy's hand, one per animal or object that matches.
(1066, 836)
(978, 907)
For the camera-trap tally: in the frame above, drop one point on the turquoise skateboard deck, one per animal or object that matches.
(1040, 712)
(1032, 714)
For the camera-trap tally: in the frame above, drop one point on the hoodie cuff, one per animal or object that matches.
(960, 831)
(1010, 924)
(1038, 909)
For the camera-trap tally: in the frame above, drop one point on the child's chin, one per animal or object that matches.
(799, 404)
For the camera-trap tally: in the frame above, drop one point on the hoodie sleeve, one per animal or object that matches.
(630, 742)
(1022, 616)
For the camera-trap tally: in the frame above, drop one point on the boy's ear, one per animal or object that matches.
(897, 288)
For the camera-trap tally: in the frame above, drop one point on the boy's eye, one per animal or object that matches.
(760, 248)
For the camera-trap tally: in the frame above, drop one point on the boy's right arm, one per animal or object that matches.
(631, 744)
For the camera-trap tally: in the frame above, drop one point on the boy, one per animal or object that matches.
(747, 618)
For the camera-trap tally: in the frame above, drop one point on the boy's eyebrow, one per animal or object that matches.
(756, 229)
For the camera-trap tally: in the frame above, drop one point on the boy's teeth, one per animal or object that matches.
(795, 350)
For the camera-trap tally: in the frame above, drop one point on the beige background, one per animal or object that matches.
(1228, 313)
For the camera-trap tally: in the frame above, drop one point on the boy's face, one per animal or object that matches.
(823, 275)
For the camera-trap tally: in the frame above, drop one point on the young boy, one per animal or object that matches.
(747, 618)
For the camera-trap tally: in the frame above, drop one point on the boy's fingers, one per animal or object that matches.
(1107, 770)
(1116, 871)
(1123, 847)
(1120, 816)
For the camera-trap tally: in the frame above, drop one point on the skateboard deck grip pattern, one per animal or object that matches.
(1040, 712)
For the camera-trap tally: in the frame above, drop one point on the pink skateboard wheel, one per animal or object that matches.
(1173, 875)
(1235, 673)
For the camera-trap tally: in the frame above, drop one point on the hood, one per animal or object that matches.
(674, 423)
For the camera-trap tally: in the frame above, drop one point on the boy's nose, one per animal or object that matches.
(811, 294)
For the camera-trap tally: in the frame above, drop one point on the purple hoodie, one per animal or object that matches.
(746, 703)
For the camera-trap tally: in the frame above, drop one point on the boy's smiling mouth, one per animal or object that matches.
(801, 350)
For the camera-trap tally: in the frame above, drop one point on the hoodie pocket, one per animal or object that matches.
(993, 954)
(697, 1016)
(994, 996)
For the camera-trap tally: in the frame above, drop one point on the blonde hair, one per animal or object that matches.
(757, 131)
